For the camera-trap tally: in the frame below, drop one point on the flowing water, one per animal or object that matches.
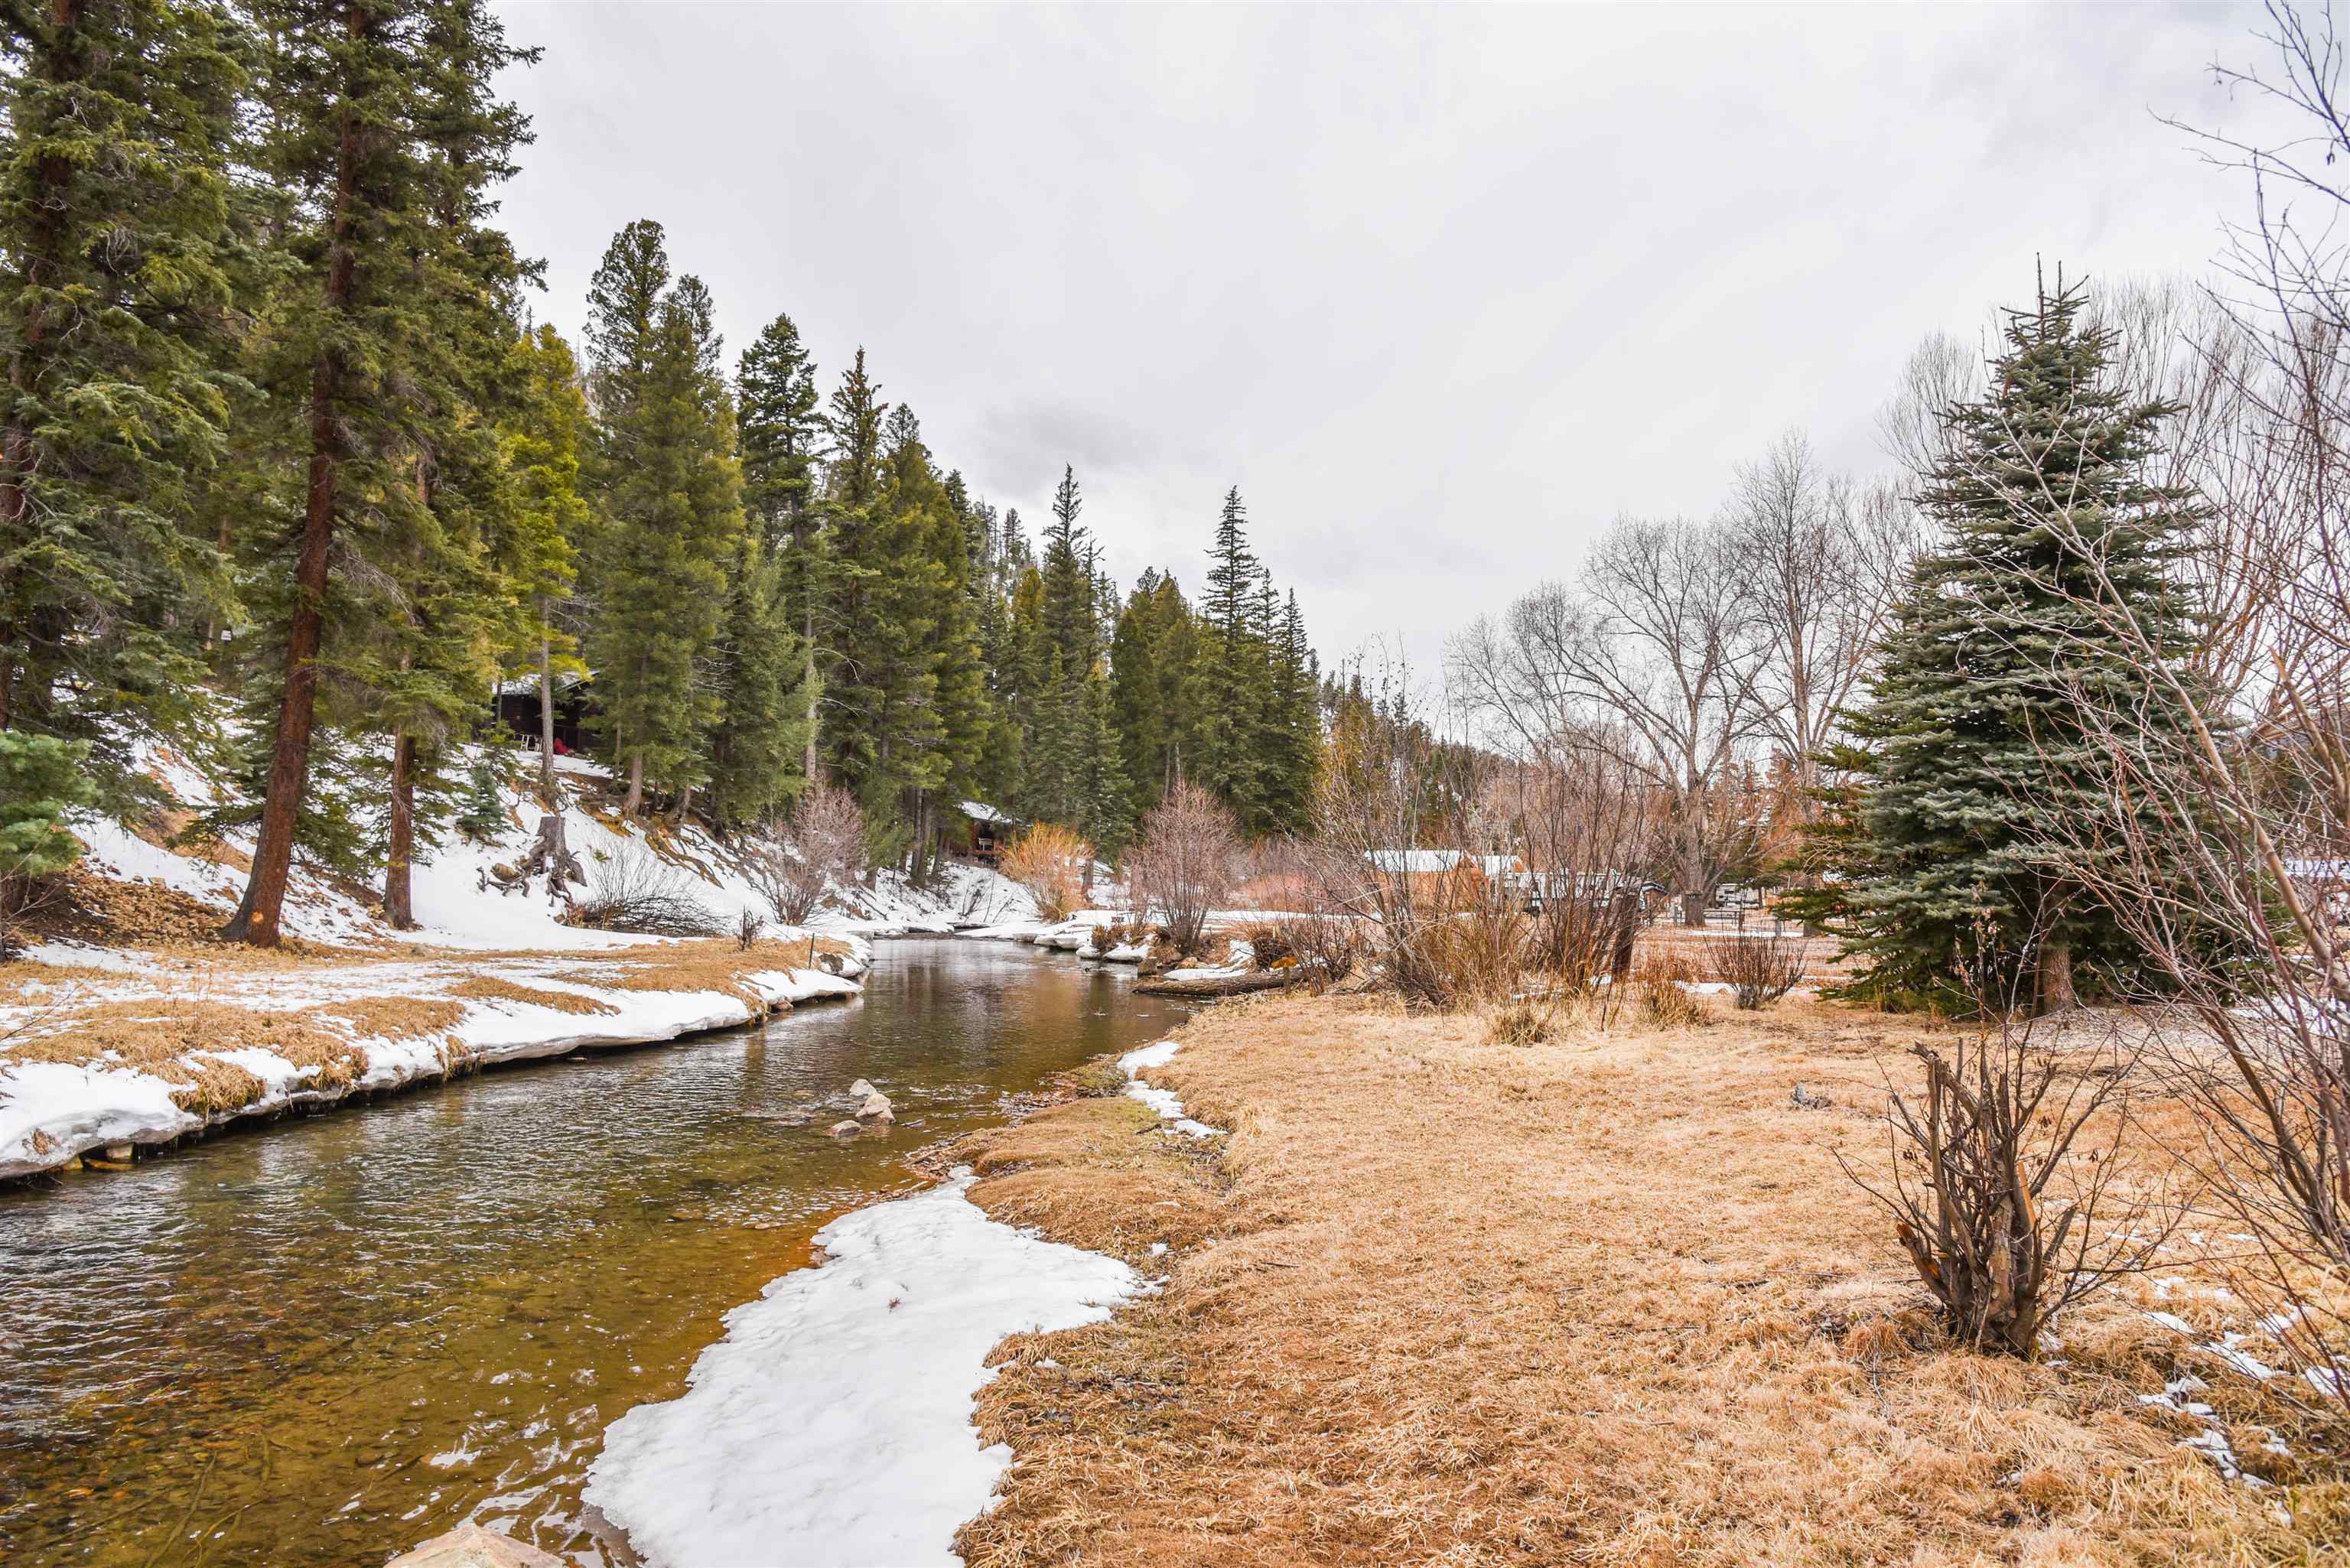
(322, 1341)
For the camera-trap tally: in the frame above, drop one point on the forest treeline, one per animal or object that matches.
(279, 424)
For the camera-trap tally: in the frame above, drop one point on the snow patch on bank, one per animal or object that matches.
(1162, 1102)
(51, 1112)
(833, 1423)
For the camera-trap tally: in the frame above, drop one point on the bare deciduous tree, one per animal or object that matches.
(1654, 656)
(1184, 867)
(822, 842)
(1823, 560)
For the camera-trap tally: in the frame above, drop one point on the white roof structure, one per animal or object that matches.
(979, 811)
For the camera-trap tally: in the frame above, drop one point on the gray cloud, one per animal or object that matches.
(1442, 290)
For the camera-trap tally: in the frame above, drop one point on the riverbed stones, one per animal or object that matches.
(875, 1108)
(471, 1546)
(862, 1089)
(846, 1130)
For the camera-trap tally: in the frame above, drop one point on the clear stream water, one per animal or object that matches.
(325, 1340)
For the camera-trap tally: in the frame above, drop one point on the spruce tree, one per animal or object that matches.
(673, 505)
(1233, 694)
(546, 431)
(781, 434)
(1975, 761)
(1070, 621)
(122, 260)
(387, 134)
(765, 695)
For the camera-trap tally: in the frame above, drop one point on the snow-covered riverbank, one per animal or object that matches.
(833, 1423)
(109, 1047)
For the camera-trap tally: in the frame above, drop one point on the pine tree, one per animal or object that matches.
(1070, 619)
(1155, 676)
(764, 686)
(1105, 805)
(673, 501)
(546, 431)
(120, 259)
(781, 436)
(482, 815)
(1231, 703)
(389, 136)
(1973, 754)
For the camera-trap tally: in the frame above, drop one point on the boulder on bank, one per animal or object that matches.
(861, 1089)
(471, 1546)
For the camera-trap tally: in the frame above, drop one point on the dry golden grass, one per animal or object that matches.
(706, 963)
(491, 988)
(158, 1037)
(1606, 1298)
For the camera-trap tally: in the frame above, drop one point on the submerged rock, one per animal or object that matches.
(875, 1108)
(471, 1546)
(844, 1129)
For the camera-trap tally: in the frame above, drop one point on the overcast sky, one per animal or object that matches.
(1442, 291)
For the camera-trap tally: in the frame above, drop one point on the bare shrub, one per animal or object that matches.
(2008, 1217)
(747, 927)
(1050, 861)
(1269, 942)
(821, 843)
(1328, 947)
(635, 891)
(1758, 968)
(1183, 867)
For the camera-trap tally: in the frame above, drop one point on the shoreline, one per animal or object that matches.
(835, 1420)
(480, 1011)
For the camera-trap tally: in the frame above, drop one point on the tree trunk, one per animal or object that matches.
(2056, 976)
(545, 721)
(257, 917)
(398, 909)
(636, 785)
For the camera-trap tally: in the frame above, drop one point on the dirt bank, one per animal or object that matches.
(1603, 1300)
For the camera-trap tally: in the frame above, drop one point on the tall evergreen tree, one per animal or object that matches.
(1975, 761)
(1232, 704)
(389, 136)
(673, 505)
(1070, 621)
(546, 434)
(1155, 677)
(120, 260)
(783, 436)
(766, 696)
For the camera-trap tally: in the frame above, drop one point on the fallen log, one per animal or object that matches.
(1223, 985)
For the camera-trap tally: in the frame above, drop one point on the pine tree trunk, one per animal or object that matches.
(636, 785)
(398, 909)
(545, 721)
(257, 917)
(2056, 976)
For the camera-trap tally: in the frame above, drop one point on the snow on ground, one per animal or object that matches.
(51, 1112)
(832, 1425)
(1162, 1102)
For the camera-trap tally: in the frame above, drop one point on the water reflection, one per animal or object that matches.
(326, 1340)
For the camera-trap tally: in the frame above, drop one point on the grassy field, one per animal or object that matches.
(1608, 1299)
